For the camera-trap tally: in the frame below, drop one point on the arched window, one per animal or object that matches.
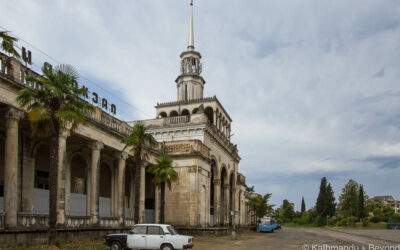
(210, 114)
(185, 112)
(195, 111)
(173, 113)
(162, 115)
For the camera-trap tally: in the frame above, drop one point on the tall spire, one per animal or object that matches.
(191, 36)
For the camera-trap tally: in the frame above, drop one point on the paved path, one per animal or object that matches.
(303, 238)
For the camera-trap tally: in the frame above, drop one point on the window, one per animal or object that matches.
(154, 230)
(139, 230)
(172, 231)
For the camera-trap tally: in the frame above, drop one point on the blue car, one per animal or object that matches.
(267, 224)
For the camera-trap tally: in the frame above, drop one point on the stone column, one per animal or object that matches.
(12, 117)
(217, 185)
(132, 194)
(215, 118)
(142, 192)
(62, 156)
(157, 204)
(226, 203)
(88, 188)
(95, 179)
(68, 187)
(122, 156)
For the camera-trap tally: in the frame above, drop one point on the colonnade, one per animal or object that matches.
(12, 161)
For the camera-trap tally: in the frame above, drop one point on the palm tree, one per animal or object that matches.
(254, 204)
(137, 140)
(8, 43)
(163, 173)
(52, 107)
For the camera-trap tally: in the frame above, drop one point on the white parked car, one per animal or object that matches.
(149, 236)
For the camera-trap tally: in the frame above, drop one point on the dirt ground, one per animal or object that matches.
(287, 238)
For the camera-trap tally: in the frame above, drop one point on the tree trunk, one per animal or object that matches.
(53, 183)
(138, 164)
(162, 207)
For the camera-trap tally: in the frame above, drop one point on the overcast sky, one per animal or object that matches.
(312, 86)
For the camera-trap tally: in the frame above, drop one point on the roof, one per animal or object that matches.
(152, 224)
(382, 197)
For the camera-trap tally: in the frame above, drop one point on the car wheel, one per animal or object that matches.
(115, 245)
(166, 247)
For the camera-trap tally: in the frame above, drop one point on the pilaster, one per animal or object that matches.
(217, 186)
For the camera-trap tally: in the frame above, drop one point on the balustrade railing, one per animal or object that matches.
(176, 120)
(129, 222)
(109, 221)
(78, 221)
(26, 220)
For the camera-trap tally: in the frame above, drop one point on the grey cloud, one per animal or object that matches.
(380, 73)
(383, 162)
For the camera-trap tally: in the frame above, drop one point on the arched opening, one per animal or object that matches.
(41, 182)
(210, 114)
(195, 110)
(105, 190)
(185, 112)
(231, 196)
(222, 196)
(173, 113)
(150, 195)
(212, 192)
(78, 187)
(162, 115)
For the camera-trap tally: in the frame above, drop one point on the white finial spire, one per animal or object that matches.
(191, 36)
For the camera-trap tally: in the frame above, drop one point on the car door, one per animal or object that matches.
(137, 237)
(155, 236)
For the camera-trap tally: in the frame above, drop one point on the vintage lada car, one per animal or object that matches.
(149, 236)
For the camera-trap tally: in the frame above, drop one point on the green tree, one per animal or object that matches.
(361, 202)
(137, 140)
(163, 174)
(331, 206)
(7, 43)
(348, 199)
(287, 211)
(253, 203)
(250, 190)
(53, 108)
(303, 206)
(322, 200)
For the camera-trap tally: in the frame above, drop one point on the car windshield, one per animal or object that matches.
(265, 221)
(171, 230)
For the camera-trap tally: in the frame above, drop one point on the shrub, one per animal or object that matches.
(395, 217)
(319, 221)
(333, 220)
(376, 219)
(343, 222)
(365, 222)
(59, 243)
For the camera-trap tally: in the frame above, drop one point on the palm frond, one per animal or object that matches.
(8, 43)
